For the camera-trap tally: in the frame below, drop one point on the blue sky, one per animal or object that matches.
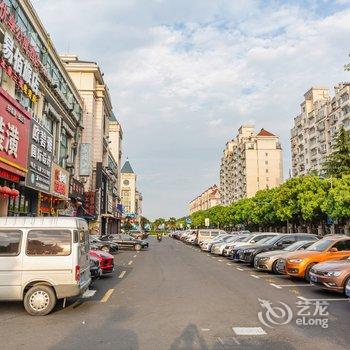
(185, 75)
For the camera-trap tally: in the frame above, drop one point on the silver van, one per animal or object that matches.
(208, 234)
(43, 259)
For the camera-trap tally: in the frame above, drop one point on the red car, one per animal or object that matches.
(106, 260)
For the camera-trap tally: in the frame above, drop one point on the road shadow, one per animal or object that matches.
(189, 339)
(105, 336)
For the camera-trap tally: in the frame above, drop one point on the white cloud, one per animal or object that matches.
(185, 75)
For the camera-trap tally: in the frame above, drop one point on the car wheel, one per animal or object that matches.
(307, 272)
(39, 300)
(274, 267)
(105, 249)
(346, 283)
(137, 247)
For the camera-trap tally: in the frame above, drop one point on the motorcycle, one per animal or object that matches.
(159, 238)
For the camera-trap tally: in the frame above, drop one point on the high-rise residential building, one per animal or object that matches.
(208, 199)
(101, 145)
(315, 127)
(131, 198)
(251, 162)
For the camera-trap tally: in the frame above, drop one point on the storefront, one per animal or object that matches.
(14, 126)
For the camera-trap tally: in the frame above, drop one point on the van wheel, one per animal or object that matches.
(39, 300)
(137, 247)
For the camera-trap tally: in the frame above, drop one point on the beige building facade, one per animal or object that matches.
(208, 199)
(101, 143)
(315, 127)
(251, 162)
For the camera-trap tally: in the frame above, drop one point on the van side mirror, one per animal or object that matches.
(333, 250)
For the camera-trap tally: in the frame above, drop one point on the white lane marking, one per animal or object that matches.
(219, 260)
(295, 285)
(134, 256)
(239, 269)
(107, 295)
(255, 276)
(213, 257)
(89, 293)
(248, 331)
(208, 254)
(122, 274)
(325, 299)
(229, 264)
(130, 262)
(275, 285)
(205, 329)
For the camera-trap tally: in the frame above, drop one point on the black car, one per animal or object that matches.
(96, 243)
(247, 254)
(126, 241)
(95, 269)
(138, 234)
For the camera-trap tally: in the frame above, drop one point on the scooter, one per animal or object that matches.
(159, 238)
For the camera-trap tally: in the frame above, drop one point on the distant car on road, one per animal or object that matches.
(106, 246)
(138, 234)
(126, 242)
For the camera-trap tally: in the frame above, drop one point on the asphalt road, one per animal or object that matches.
(175, 297)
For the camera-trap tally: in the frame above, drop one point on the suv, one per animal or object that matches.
(43, 259)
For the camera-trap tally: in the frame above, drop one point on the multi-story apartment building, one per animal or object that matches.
(315, 127)
(40, 119)
(251, 162)
(208, 199)
(101, 144)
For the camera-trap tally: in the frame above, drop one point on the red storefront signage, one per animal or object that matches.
(90, 202)
(14, 131)
(60, 182)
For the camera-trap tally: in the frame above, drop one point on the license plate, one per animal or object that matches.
(313, 278)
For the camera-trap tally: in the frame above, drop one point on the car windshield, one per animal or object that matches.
(264, 240)
(271, 240)
(248, 238)
(320, 246)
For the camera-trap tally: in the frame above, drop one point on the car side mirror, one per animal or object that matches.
(333, 250)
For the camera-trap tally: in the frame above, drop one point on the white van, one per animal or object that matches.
(43, 259)
(208, 234)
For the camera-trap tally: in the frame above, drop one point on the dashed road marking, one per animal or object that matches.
(130, 262)
(122, 274)
(205, 329)
(135, 256)
(219, 260)
(107, 295)
(229, 264)
(275, 285)
(89, 293)
(248, 331)
(255, 276)
(240, 269)
(295, 285)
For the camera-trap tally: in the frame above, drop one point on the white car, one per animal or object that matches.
(218, 248)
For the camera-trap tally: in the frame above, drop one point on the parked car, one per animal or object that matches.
(229, 246)
(278, 242)
(206, 245)
(218, 248)
(347, 288)
(251, 239)
(331, 275)
(43, 259)
(299, 264)
(95, 269)
(126, 242)
(138, 234)
(106, 260)
(106, 246)
(236, 251)
(207, 234)
(268, 261)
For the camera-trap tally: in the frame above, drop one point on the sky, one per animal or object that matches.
(185, 75)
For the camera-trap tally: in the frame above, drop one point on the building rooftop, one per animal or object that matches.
(127, 169)
(264, 132)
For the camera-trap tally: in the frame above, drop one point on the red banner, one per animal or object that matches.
(14, 132)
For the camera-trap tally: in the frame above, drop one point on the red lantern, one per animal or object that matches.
(15, 193)
(6, 191)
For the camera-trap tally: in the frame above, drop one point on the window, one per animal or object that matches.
(342, 245)
(267, 170)
(287, 241)
(10, 242)
(126, 182)
(49, 242)
(63, 148)
(266, 162)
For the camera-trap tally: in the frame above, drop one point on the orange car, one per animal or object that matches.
(299, 263)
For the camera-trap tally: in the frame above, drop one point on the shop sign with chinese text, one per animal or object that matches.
(14, 127)
(19, 58)
(59, 182)
(76, 189)
(40, 157)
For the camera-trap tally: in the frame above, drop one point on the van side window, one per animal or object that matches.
(10, 242)
(49, 242)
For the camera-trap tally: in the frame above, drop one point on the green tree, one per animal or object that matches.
(338, 162)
